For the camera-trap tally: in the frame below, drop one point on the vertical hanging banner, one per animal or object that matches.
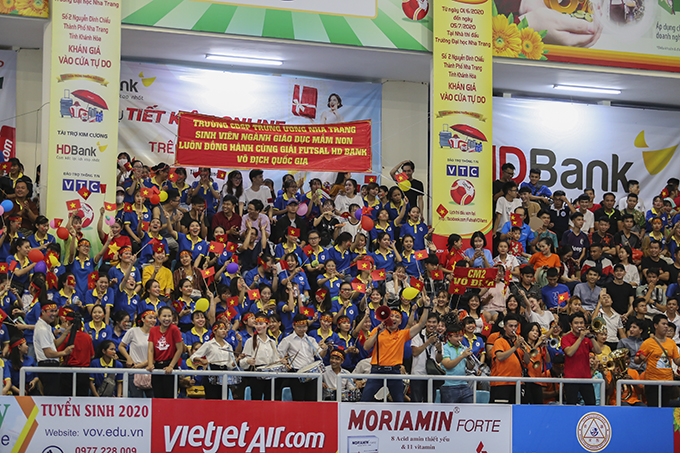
(83, 127)
(8, 103)
(462, 90)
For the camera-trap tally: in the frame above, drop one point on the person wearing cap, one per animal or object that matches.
(330, 380)
(46, 346)
(388, 354)
(290, 219)
(290, 189)
(158, 272)
(82, 354)
(19, 358)
(301, 350)
(217, 354)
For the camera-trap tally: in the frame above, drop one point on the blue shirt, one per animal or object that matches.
(412, 265)
(479, 262)
(146, 304)
(477, 344)
(525, 238)
(417, 230)
(31, 318)
(81, 270)
(105, 333)
(62, 299)
(550, 295)
(281, 250)
(300, 279)
(210, 201)
(23, 278)
(129, 304)
(192, 336)
(383, 260)
(198, 248)
(98, 378)
(132, 219)
(342, 259)
(146, 252)
(539, 190)
(249, 277)
(452, 352)
(332, 285)
(35, 242)
(377, 229)
(286, 317)
(14, 374)
(5, 247)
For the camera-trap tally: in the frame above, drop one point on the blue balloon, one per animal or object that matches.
(7, 205)
(232, 268)
(40, 266)
(357, 214)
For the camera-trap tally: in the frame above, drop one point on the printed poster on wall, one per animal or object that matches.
(83, 128)
(26, 8)
(74, 425)
(151, 97)
(462, 90)
(584, 145)
(439, 428)
(8, 103)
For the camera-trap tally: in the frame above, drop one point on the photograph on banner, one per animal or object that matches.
(369, 428)
(579, 146)
(593, 429)
(83, 132)
(8, 104)
(210, 141)
(245, 427)
(151, 97)
(75, 424)
(625, 33)
(392, 24)
(26, 8)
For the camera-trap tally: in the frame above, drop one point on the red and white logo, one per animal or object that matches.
(462, 192)
(594, 431)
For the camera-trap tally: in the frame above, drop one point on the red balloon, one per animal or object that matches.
(155, 199)
(62, 233)
(35, 255)
(366, 223)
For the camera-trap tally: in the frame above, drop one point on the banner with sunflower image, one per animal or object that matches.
(27, 8)
(516, 40)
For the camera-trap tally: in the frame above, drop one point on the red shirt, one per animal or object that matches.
(82, 352)
(164, 343)
(578, 365)
(220, 219)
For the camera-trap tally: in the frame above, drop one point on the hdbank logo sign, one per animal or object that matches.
(656, 160)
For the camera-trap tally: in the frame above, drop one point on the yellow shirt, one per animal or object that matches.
(163, 277)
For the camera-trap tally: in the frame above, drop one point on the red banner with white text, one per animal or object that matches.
(208, 141)
(244, 426)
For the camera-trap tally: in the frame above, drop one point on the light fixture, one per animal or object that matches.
(244, 60)
(593, 90)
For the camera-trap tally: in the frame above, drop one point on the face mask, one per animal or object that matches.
(120, 198)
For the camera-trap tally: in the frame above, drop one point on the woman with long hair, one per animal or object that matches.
(97, 328)
(165, 348)
(478, 253)
(351, 196)
(185, 270)
(121, 323)
(102, 295)
(106, 357)
(83, 352)
(18, 358)
(625, 258)
(536, 365)
(260, 351)
(185, 303)
(234, 187)
(151, 297)
(24, 268)
(136, 341)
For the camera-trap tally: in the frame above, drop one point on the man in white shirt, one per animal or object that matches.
(506, 205)
(330, 378)
(302, 350)
(257, 189)
(633, 187)
(424, 345)
(46, 348)
(588, 217)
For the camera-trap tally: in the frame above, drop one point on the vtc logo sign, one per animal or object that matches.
(463, 171)
(71, 185)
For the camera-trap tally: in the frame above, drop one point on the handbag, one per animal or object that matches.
(432, 368)
(142, 381)
(107, 387)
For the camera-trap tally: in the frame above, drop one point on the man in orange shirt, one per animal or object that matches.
(388, 353)
(658, 350)
(506, 360)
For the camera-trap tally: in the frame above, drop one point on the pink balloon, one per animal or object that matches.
(302, 210)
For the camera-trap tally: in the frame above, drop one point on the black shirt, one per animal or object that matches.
(646, 330)
(673, 271)
(649, 263)
(560, 219)
(620, 296)
(281, 228)
(613, 219)
(414, 192)
(631, 241)
(187, 219)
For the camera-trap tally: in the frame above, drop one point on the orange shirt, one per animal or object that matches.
(511, 366)
(391, 347)
(539, 260)
(658, 364)
(637, 389)
(538, 372)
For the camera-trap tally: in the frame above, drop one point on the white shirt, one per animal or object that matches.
(330, 378)
(613, 324)
(301, 351)
(138, 344)
(623, 204)
(265, 354)
(43, 338)
(588, 222)
(509, 264)
(264, 195)
(216, 354)
(543, 320)
(676, 321)
(632, 275)
(351, 229)
(342, 202)
(505, 208)
(418, 364)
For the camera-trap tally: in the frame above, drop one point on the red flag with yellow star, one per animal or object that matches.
(216, 247)
(562, 298)
(308, 311)
(92, 279)
(221, 174)
(421, 254)
(127, 207)
(51, 280)
(84, 192)
(231, 313)
(456, 289)
(110, 206)
(232, 301)
(73, 205)
(5, 166)
(358, 286)
(516, 220)
(378, 274)
(308, 250)
(417, 284)
(254, 294)
(442, 211)
(437, 275)
(370, 178)
(230, 247)
(3, 268)
(173, 176)
(401, 177)
(208, 273)
(364, 265)
(223, 238)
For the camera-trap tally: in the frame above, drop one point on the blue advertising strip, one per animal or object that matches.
(571, 429)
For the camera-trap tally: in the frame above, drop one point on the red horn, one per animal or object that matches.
(382, 314)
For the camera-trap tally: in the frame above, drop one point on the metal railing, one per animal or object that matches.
(634, 382)
(518, 381)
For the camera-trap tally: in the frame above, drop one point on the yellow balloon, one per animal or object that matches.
(405, 185)
(410, 293)
(163, 196)
(202, 304)
(54, 262)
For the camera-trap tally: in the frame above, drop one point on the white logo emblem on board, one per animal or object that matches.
(594, 431)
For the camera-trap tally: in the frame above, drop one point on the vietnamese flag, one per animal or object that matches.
(73, 205)
(421, 254)
(442, 211)
(417, 284)
(284, 265)
(127, 207)
(378, 275)
(308, 311)
(84, 192)
(3, 268)
(223, 238)
(51, 280)
(401, 177)
(230, 247)
(3, 316)
(370, 178)
(5, 166)
(173, 177)
(216, 247)
(516, 220)
(127, 166)
(221, 174)
(254, 294)
(437, 275)
(231, 313)
(13, 266)
(178, 305)
(364, 265)
(232, 301)
(110, 207)
(145, 225)
(146, 192)
(456, 289)
(562, 298)
(358, 286)
(92, 279)
(308, 250)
